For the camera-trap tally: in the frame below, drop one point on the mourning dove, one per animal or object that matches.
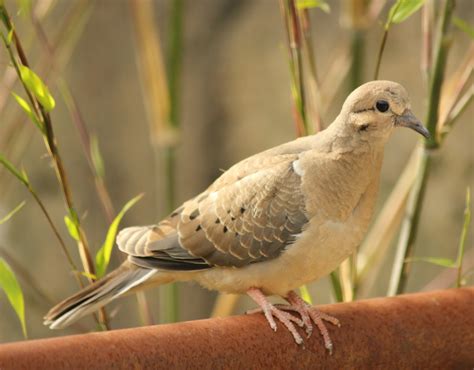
(271, 223)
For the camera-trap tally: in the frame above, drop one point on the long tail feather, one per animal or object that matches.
(96, 295)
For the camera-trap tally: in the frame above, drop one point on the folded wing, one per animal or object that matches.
(246, 216)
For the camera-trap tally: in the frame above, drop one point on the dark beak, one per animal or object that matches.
(408, 119)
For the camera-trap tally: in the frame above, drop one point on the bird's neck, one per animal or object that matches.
(349, 172)
(339, 140)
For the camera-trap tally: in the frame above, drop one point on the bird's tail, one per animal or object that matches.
(96, 295)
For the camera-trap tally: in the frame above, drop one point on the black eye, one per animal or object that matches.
(382, 106)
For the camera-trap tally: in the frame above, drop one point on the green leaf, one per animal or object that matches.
(464, 26)
(11, 214)
(26, 107)
(444, 262)
(306, 4)
(12, 288)
(403, 9)
(13, 170)
(96, 156)
(102, 257)
(72, 228)
(37, 87)
(305, 294)
(86, 274)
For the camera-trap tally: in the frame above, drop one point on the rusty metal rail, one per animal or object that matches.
(417, 331)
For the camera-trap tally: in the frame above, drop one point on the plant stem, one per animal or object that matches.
(171, 291)
(293, 33)
(174, 61)
(379, 56)
(384, 40)
(52, 146)
(427, 38)
(312, 84)
(409, 228)
(462, 240)
(76, 115)
(71, 26)
(441, 48)
(224, 305)
(56, 232)
(101, 188)
(348, 269)
(405, 248)
(357, 48)
(336, 287)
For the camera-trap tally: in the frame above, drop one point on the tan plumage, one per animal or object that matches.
(272, 222)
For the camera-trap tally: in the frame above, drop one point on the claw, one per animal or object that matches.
(308, 313)
(318, 317)
(270, 311)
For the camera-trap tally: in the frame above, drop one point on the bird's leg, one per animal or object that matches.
(270, 311)
(309, 313)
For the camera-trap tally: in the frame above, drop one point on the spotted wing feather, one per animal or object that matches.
(250, 219)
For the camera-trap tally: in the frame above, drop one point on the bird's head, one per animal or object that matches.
(373, 110)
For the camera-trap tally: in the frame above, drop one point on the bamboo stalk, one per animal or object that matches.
(225, 305)
(441, 49)
(380, 236)
(408, 233)
(161, 92)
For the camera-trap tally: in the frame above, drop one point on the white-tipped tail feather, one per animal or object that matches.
(96, 295)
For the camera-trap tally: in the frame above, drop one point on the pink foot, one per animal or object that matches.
(270, 311)
(309, 313)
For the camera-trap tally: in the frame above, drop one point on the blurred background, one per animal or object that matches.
(234, 100)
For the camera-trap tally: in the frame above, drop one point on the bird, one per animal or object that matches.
(271, 223)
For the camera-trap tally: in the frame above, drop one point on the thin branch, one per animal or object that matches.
(380, 53)
(293, 34)
(441, 53)
(408, 233)
(312, 83)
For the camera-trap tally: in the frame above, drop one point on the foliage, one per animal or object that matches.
(12, 288)
(464, 26)
(12, 213)
(36, 86)
(307, 4)
(402, 10)
(102, 257)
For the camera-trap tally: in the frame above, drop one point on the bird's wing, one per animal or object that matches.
(250, 214)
